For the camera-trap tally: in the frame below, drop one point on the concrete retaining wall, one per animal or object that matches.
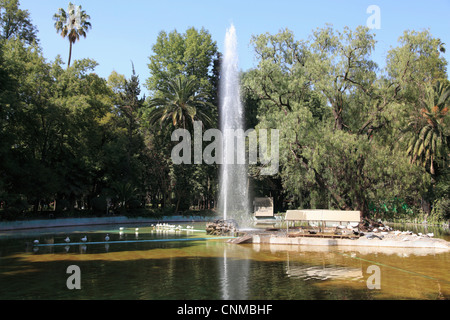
(422, 243)
(70, 222)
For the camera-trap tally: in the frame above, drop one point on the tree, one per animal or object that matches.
(416, 62)
(129, 107)
(184, 67)
(340, 67)
(116, 82)
(430, 142)
(181, 103)
(191, 54)
(414, 66)
(72, 24)
(15, 22)
(184, 73)
(82, 153)
(124, 192)
(334, 141)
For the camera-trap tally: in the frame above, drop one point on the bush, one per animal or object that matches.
(14, 206)
(99, 205)
(134, 204)
(440, 211)
(62, 205)
(10, 214)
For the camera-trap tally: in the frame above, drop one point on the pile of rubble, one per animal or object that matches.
(388, 233)
(367, 225)
(222, 227)
(373, 229)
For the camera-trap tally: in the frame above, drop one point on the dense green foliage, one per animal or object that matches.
(353, 135)
(16, 22)
(348, 125)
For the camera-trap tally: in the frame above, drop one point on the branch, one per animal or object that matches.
(320, 180)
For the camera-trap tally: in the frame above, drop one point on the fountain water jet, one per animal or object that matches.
(234, 197)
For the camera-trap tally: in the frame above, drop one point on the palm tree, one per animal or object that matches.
(124, 192)
(429, 142)
(181, 103)
(72, 24)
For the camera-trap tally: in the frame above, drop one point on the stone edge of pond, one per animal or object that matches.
(71, 222)
(428, 243)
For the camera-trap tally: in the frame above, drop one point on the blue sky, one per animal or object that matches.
(124, 31)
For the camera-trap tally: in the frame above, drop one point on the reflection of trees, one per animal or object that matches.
(214, 271)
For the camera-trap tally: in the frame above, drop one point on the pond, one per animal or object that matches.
(133, 267)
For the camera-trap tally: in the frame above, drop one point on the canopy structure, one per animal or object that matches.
(323, 216)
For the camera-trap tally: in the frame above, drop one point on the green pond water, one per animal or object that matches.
(130, 266)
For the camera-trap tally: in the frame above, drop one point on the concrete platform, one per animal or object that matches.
(419, 242)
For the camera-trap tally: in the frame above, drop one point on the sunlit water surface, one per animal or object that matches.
(213, 269)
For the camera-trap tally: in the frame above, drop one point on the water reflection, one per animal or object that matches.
(234, 275)
(400, 252)
(323, 272)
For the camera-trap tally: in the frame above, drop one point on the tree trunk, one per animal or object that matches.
(322, 183)
(178, 205)
(361, 205)
(70, 54)
(338, 121)
(426, 207)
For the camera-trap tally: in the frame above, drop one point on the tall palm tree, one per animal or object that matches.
(181, 103)
(72, 24)
(430, 141)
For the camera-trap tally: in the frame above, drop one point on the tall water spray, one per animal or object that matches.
(234, 197)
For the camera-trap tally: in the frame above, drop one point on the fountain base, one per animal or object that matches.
(222, 227)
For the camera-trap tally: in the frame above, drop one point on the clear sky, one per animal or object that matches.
(124, 31)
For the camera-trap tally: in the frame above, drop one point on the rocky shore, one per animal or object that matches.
(371, 235)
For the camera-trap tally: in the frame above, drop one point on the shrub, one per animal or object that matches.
(99, 205)
(440, 211)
